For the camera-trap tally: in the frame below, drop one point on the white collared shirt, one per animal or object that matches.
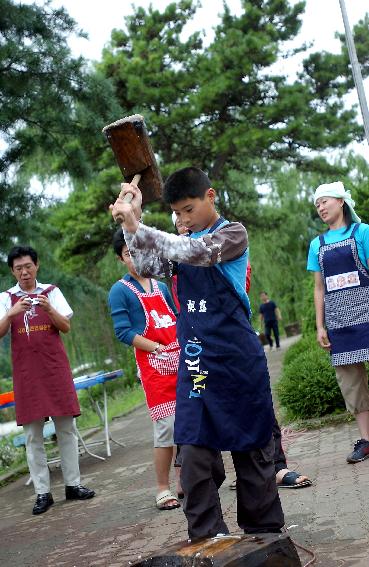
(56, 298)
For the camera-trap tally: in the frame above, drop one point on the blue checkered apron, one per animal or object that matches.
(346, 300)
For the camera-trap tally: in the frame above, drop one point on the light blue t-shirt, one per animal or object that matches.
(362, 242)
(234, 270)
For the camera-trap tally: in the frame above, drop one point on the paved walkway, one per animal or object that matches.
(121, 523)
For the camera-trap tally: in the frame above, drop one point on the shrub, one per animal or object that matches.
(308, 386)
(303, 345)
(9, 455)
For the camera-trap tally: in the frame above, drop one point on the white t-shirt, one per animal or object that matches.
(56, 298)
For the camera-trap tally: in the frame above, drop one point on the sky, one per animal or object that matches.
(321, 20)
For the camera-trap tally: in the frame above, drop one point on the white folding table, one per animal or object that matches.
(86, 382)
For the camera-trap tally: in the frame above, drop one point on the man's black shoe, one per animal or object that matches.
(43, 503)
(78, 493)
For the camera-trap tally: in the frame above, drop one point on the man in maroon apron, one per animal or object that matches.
(35, 313)
(144, 316)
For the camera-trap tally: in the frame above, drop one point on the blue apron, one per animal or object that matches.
(346, 300)
(223, 389)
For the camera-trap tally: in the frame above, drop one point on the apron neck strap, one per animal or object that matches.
(356, 226)
(216, 224)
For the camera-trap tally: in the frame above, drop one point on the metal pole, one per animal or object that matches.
(356, 70)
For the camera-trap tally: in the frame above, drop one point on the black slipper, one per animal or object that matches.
(289, 481)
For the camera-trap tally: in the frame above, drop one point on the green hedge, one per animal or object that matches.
(308, 386)
(303, 345)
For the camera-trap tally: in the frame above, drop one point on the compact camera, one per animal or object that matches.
(32, 300)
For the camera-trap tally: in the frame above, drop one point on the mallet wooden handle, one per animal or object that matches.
(128, 196)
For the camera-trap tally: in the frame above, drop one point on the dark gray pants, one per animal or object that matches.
(258, 505)
(269, 327)
(280, 461)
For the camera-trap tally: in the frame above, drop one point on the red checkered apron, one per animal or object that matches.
(158, 375)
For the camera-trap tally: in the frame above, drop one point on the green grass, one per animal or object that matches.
(119, 405)
(20, 461)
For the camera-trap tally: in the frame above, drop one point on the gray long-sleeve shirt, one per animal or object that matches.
(154, 251)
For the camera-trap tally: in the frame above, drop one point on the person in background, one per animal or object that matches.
(285, 477)
(270, 315)
(144, 317)
(342, 311)
(36, 313)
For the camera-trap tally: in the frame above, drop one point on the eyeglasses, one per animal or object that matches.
(19, 269)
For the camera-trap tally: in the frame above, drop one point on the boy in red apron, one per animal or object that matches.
(144, 316)
(35, 313)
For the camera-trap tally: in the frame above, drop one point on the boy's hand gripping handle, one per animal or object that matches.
(128, 196)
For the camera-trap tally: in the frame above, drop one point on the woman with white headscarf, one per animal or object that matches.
(339, 259)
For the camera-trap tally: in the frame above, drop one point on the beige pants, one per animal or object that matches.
(353, 382)
(36, 455)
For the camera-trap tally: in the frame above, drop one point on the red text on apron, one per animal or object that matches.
(42, 378)
(158, 376)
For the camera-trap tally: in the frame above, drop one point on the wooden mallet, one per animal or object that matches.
(130, 143)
